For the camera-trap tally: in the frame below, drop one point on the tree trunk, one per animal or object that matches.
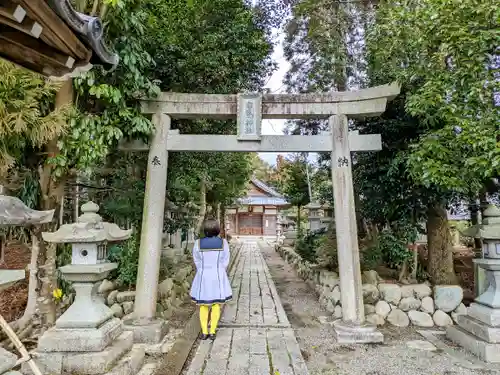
(216, 212)
(474, 219)
(33, 285)
(52, 193)
(440, 264)
(223, 220)
(203, 207)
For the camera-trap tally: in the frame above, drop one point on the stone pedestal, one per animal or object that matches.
(314, 223)
(87, 339)
(479, 330)
(146, 331)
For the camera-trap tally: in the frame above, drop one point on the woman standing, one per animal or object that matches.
(211, 287)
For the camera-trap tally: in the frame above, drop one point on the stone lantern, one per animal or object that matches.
(279, 229)
(87, 338)
(479, 330)
(315, 214)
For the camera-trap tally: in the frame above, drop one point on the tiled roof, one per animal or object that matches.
(263, 201)
(269, 190)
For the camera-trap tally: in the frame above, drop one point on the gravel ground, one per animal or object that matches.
(325, 357)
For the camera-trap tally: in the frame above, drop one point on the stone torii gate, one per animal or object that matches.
(249, 110)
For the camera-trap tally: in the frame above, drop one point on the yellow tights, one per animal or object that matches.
(214, 318)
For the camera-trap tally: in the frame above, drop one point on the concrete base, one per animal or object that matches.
(479, 329)
(348, 333)
(484, 350)
(92, 363)
(484, 314)
(80, 340)
(7, 360)
(147, 332)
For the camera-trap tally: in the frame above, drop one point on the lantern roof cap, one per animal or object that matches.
(13, 212)
(313, 205)
(489, 229)
(89, 228)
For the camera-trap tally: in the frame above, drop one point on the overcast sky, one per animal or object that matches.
(275, 85)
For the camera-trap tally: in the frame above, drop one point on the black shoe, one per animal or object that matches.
(211, 336)
(204, 336)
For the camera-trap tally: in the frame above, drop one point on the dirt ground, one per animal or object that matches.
(325, 357)
(13, 300)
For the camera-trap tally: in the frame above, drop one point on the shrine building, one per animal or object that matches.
(256, 214)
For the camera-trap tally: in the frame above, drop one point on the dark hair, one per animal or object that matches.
(211, 228)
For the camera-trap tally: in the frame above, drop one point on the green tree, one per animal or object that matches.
(446, 66)
(28, 119)
(220, 46)
(447, 56)
(294, 185)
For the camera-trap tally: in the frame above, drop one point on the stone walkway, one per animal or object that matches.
(255, 336)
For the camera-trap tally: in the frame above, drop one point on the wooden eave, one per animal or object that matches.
(46, 36)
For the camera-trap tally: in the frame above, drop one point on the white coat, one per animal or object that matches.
(211, 283)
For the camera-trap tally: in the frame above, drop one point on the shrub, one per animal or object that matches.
(127, 256)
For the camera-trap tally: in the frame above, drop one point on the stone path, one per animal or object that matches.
(255, 336)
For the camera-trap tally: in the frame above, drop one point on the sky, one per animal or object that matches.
(275, 85)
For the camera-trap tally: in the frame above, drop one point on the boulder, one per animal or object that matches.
(420, 319)
(416, 290)
(370, 293)
(128, 307)
(106, 286)
(338, 312)
(448, 297)
(117, 310)
(441, 319)
(398, 318)
(390, 293)
(383, 309)
(422, 290)
(335, 295)
(409, 303)
(165, 287)
(375, 319)
(460, 310)
(331, 281)
(369, 309)
(371, 277)
(330, 307)
(427, 305)
(112, 297)
(125, 296)
(181, 274)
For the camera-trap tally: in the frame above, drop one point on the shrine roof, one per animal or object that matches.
(51, 38)
(263, 201)
(272, 197)
(266, 188)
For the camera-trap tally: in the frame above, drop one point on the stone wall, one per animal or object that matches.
(399, 305)
(172, 292)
